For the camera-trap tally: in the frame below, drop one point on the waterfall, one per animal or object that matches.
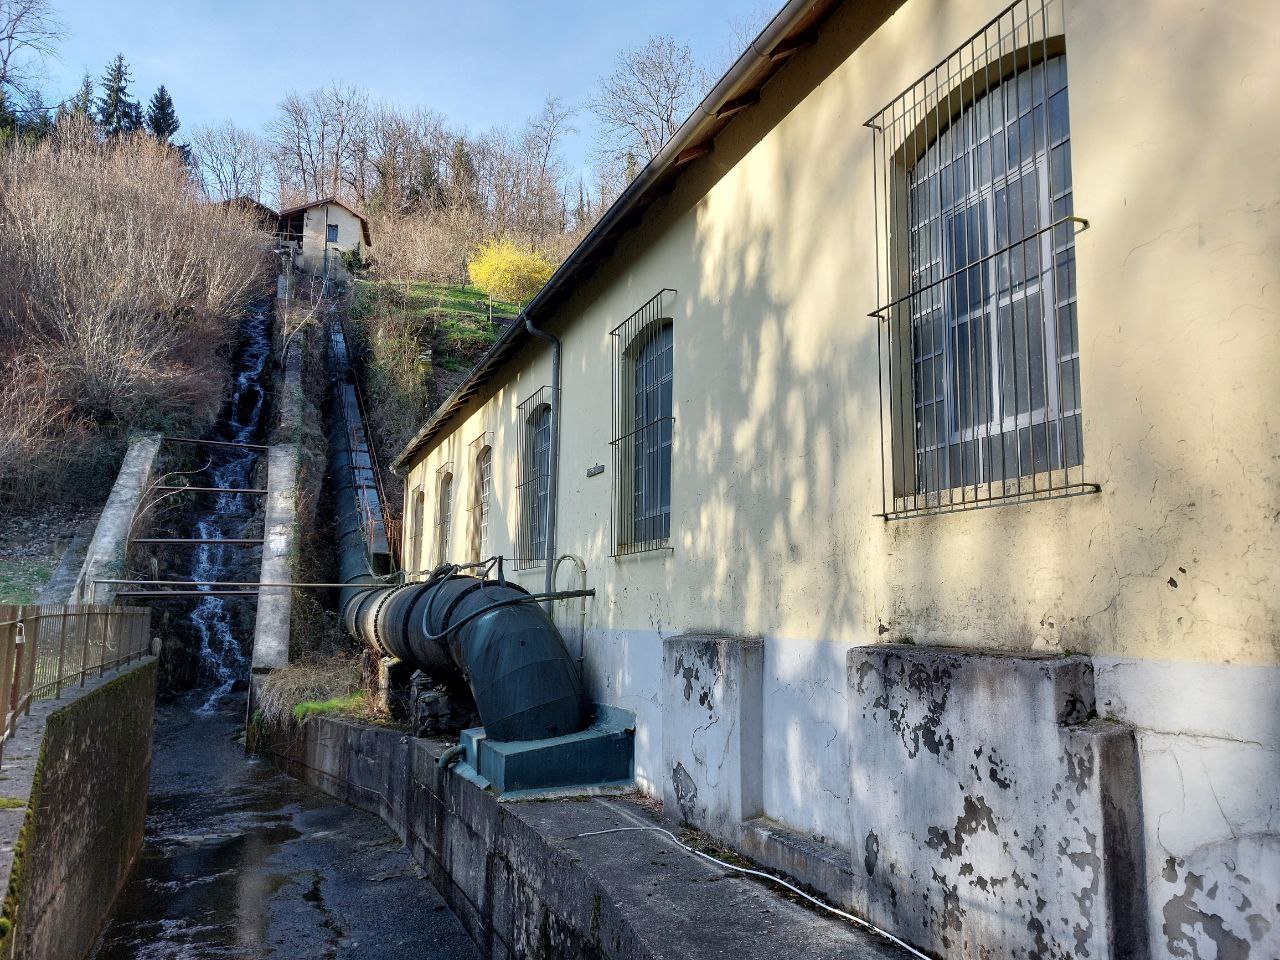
(223, 659)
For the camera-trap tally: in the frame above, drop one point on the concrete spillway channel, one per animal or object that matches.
(241, 860)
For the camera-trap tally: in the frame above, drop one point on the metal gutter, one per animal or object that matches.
(791, 30)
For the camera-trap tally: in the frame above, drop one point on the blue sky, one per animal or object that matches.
(481, 63)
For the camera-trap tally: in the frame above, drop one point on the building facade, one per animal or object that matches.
(320, 232)
(919, 431)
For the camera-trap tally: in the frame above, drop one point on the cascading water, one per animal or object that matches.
(241, 862)
(223, 661)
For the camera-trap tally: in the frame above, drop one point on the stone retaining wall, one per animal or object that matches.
(81, 764)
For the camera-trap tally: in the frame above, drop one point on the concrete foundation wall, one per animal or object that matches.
(996, 816)
(535, 879)
(105, 557)
(712, 716)
(82, 764)
(1202, 801)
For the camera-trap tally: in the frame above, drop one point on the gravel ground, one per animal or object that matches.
(31, 544)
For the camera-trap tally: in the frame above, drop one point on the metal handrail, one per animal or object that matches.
(38, 658)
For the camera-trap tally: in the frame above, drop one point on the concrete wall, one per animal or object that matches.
(82, 765)
(105, 557)
(1166, 577)
(279, 552)
(530, 879)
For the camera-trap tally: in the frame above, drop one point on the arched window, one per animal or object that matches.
(983, 351)
(651, 436)
(444, 517)
(482, 493)
(534, 486)
(643, 418)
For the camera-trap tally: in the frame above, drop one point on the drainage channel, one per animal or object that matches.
(240, 860)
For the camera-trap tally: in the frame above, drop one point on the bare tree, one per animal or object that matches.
(543, 141)
(314, 136)
(232, 162)
(29, 35)
(643, 102)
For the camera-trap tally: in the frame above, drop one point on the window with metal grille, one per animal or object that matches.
(444, 511)
(535, 476)
(331, 233)
(481, 494)
(979, 351)
(643, 369)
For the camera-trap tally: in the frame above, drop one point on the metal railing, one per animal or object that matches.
(44, 649)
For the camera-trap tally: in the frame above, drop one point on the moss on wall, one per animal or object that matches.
(84, 821)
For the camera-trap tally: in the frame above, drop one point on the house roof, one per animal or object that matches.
(246, 201)
(793, 29)
(333, 202)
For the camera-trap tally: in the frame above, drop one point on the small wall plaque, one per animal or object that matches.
(596, 470)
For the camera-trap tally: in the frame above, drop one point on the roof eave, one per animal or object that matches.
(781, 38)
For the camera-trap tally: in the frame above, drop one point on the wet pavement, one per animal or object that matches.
(242, 861)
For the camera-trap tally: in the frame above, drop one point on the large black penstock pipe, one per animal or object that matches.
(525, 684)
(506, 647)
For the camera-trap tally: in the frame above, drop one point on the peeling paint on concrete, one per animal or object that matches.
(1001, 813)
(711, 730)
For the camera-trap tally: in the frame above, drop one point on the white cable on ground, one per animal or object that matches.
(764, 876)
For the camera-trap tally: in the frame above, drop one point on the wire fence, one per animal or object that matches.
(45, 649)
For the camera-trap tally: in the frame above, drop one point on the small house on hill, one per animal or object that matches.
(320, 232)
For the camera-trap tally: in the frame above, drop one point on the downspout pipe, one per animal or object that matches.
(553, 467)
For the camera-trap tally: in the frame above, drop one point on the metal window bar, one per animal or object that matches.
(534, 475)
(481, 454)
(643, 421)
(444, 511)
(46, 648)
(978, 348)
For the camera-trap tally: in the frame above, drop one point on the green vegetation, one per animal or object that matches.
(12, 803)
(349, 703)
(414, 343)
(310, 685)
(21, 580)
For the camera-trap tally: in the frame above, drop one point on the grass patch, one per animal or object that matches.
(316, 685)
(12, 803)
(22, 580)
(350, 703)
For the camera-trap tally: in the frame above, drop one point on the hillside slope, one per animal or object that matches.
(413, 345)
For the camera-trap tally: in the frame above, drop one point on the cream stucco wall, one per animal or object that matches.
(777, 477)
(316, 220)
(769, 243)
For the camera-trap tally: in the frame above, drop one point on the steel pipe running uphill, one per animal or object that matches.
(540, 732)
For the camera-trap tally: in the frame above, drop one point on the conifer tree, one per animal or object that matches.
(81, 105)
(162, 121)
(116, 112)
(8, 119)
